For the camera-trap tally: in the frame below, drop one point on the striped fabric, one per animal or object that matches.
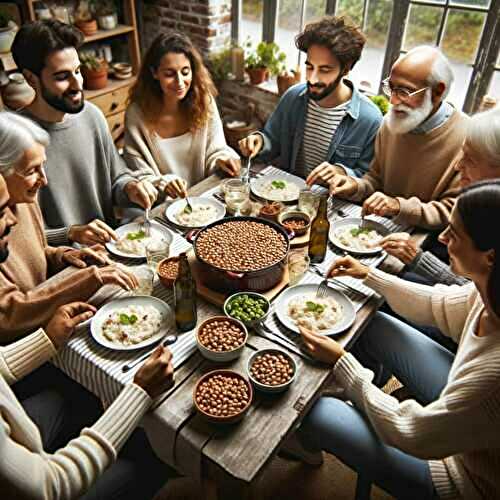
(57, 237)
(100, 369)
(320, 126)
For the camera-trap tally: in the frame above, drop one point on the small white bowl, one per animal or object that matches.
(221, 356)
(273, 389)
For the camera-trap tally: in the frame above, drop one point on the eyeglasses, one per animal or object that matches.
(399, 92)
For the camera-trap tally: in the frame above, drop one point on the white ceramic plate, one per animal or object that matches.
(256, 186)
(354, 221)
(104, 312)
(349, 313)
(157, 230)
(178, 206)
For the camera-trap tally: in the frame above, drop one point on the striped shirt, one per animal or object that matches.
(321, 125)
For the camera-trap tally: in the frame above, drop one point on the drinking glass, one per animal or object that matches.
(156, 251)
(298, 264)
(308, 202)
(145, 276)
(237, 195)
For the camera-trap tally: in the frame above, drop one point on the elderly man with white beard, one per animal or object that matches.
(411, 177)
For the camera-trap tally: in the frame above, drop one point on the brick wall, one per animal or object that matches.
(206, 22)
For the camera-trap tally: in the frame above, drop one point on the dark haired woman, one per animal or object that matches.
(173, 132)
(445, 443)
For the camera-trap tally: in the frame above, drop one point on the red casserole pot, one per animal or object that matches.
(232, 281)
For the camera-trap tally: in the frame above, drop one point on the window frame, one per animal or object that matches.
(483, 66)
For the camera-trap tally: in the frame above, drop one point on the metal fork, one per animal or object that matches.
(322, 290)
(147, 223)
(166, 341)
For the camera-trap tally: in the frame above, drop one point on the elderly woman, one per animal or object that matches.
(25, 301)
(479, 160)
(444, 443)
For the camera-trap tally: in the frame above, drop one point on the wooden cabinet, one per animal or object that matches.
(112, 99)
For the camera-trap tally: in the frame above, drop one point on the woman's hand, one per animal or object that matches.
(95, 254)
(95, 232)
(348, 266)
(157, 373)
(176, 188)
(119, 276)
(231, 166)
(250, 146)
(322, 347)
(401, 246)
(60, 328)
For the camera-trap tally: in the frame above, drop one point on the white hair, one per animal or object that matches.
(483, 134)
(17, 134)
(441, 70)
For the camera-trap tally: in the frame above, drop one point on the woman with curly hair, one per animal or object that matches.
(173, 131)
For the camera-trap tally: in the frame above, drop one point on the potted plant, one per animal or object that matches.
(382, 102)
(219, 64)
(107, 17)
(266, 59)
(84, 18)
(7, 32)
(94, 71)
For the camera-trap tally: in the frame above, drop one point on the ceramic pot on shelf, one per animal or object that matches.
(17, 94)
(88, 28)
(95, 79)
(108, 21)
(258, 75)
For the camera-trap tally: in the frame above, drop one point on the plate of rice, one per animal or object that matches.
(276, 187)
(329, 315)
(131, 323)
(205, 211)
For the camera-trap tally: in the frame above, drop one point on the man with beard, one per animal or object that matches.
(86, 176)
(411, 177)
(324, 126)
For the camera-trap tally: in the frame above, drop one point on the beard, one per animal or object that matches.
(413, 116)
(62, 103)
(326, 89)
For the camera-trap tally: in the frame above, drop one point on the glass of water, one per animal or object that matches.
(298, 264)
(145, 276)
(237, 195)
(308, 202)
(156, 251)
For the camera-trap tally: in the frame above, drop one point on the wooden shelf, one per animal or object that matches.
(121, 29)
(110, 87)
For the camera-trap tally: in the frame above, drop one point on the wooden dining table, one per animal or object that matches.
(227, 459)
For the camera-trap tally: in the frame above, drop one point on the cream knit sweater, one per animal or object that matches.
(459, 432)
(26, 470)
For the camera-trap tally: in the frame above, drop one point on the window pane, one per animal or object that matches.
(474, 3)
(460, 84)
(422, 27)
(369, 67)
(494, 89)
(251, 20)
(462, 35)
(315, 10)
(351, 8)
(288, 27)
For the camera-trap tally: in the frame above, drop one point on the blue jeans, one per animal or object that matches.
(335, 426)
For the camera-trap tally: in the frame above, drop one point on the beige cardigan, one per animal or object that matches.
(27, 472)
(457, 433)
(143, 153)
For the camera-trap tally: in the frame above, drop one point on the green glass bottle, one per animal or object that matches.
(185, 297)
(320, 227)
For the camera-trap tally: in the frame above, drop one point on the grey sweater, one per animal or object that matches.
(429, 266)
(86, 175)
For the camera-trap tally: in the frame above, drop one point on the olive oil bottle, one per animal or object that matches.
(318, 240)
(185, 297)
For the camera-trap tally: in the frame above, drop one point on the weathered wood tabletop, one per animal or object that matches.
(238, 454)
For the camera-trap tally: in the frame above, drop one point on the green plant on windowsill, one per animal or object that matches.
(219, 64)
(382, 102)
(266, 59)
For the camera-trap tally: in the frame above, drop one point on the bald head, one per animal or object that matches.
(425, 66)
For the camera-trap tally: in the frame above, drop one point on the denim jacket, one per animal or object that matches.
(351, 146)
